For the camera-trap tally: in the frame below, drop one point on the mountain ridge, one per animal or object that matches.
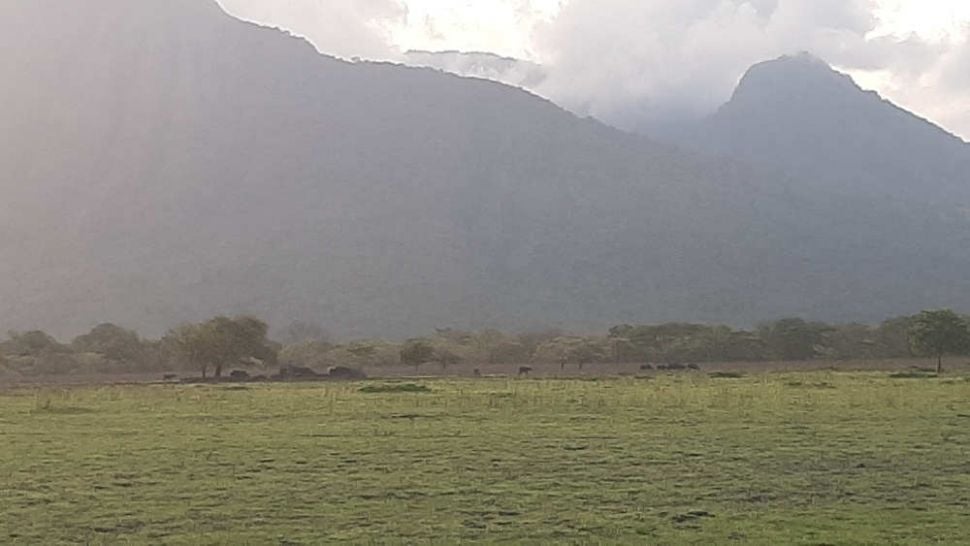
(799, 115)
(166, 166)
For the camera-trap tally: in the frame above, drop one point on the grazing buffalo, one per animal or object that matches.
(524, 370)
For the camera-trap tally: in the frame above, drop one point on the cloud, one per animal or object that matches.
(631, 62)
(345, 28)
(503, 27)
(931, 78)
(635, 63)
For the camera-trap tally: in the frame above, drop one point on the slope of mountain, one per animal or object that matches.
(798, 115)
(488, 66)
(163, 162)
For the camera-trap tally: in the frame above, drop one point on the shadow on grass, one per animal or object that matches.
(914, 374)
(725, 375)
(400, 388)
(46, 409)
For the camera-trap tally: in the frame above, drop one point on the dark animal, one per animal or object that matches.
(676, 367)
(239, 375)
(343, 372)
(524, 370)
(477, 372)
(646, 367)
(694, 367)
(170, 377)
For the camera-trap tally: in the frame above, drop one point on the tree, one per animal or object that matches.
(893, 337)
(486, 341)
(33, 343)
(847, 341)
(588, 351)
(222, 341)
(939, 333)
(417, 352)
(794, 338)
(113, 342)
(446, 358)
(191, 343)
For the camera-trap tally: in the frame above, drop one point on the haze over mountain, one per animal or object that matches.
(165, 162)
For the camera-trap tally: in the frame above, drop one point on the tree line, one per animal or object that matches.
(211, 347)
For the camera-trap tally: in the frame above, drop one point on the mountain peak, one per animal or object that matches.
(793, 78)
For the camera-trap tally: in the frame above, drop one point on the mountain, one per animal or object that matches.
(163, 162)
(798, 115)
(488, 66)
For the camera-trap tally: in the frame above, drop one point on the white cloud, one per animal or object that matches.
(504, 27)
(638, 61)
(345, 28)
(635, 61)
(929, 77)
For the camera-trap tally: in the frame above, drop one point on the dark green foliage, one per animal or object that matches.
(223, 341)
(679, 342)
(794, 338)
(239, 342)
(417, 352)
(587, 352)
(892, 337)
(111, 341)
(939, 333)
(446, 358)
(33, 343)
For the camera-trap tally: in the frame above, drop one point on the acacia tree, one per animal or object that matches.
(417, 352)
(223, 341)
(939, 333)
(794, 338)
(33, 343)
(112, 341)
(446, 358)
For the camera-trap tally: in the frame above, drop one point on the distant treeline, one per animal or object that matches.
(222, 343)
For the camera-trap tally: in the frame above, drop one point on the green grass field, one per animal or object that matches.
(784, 458)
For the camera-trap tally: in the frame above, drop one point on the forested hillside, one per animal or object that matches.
(163, 162)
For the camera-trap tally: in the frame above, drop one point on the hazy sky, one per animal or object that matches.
(631, 61)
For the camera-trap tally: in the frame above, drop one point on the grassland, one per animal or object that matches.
(775, 458)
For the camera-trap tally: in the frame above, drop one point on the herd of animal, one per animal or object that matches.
(301, 373)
